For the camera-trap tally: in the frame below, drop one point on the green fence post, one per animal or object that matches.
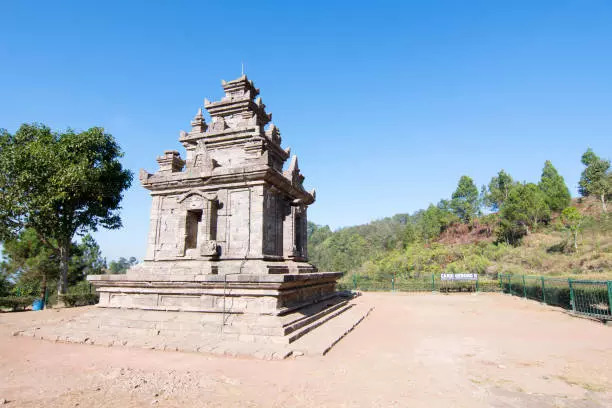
(393, 284)
(572, 300)
(543, 290)
(354, 282)
(610, 296)
(476, 282)
(499, 276)
(433, 282)
(524, 288)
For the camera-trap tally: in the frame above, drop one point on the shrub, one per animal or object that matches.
(81, 299)
(16, 302)
(81, 288)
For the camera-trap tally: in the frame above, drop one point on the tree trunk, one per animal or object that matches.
(576, 240)
(43, 289)
(603, 202)
(63, 279)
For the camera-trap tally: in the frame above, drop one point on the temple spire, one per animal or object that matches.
(198, 124)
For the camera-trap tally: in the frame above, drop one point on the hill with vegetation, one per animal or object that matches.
(505, 227)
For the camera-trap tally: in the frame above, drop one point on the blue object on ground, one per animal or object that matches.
(38, 304)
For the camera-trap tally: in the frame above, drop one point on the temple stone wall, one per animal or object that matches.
(228, 225)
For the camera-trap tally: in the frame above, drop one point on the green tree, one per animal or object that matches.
(498, 190)
(553, 186)
(317, 234)
(122, 265)
(465, 202)
(59, 184)
(29, 262)
(5, 283)
(430, 223)
(33, 265)
(86, 260)
(524, 209)
(596, 178)
(410, 235)
(572, 219)
(434, 220)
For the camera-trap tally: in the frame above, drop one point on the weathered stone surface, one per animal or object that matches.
(227, 236)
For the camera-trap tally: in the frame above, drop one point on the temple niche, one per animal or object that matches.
(228, 229)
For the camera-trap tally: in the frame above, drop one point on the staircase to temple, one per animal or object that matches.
(311, 330)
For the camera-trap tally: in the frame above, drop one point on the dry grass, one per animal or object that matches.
(550, 251)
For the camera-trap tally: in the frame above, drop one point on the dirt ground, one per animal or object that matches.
(414, 350)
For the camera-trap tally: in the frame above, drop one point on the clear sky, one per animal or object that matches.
(386, 104)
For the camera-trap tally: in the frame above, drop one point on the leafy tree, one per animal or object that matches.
(572, 219)
(524, 209)
(29, 262)
(430, 223)
(433, 221)
(317, 233)
(553, 186)
(122, 265)
(343, 251)
(86, 260)
(596, 179)
(498, 190)
(59, 184)
(410, 235)
(5, 284)
(465, 201)
(33, 265)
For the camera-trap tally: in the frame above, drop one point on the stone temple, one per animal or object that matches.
(227, 245)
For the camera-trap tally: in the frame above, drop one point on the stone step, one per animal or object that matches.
(325, 337)
(313, 325)
(299, 319)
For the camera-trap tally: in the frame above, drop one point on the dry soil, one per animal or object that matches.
(414, 350)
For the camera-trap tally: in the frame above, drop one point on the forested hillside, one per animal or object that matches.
(505, 226)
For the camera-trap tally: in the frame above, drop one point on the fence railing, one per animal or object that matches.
(587, 297)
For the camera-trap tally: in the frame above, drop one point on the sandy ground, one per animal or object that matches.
(414, 350)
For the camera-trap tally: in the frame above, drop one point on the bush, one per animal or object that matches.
(16, 302)
(81, 288)
(556, 292)
(81, 299)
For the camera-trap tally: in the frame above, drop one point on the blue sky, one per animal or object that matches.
(386, 104)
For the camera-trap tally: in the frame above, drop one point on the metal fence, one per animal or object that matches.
(587, 297)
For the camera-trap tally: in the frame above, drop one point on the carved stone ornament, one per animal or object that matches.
(208, 248)
(218, 124)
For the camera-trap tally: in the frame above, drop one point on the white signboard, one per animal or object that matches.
(459, 276)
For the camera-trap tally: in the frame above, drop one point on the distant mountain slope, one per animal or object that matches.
(394, 245)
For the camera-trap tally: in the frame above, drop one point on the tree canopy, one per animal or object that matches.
(572, 219)
(32, 266)
(552, 184)
(465, 201)
(596, 178)
(498, 190)
(524, 209)
(59, 184)
(121, 265)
